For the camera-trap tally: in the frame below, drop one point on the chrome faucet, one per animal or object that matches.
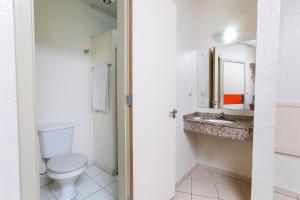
(222, 115)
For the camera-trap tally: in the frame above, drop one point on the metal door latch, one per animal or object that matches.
(173, 113)
(129, 100)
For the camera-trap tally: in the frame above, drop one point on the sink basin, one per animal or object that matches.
(219, 121)
(197, 118)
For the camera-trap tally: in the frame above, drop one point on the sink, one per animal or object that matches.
(219, 124)
(197, 118)
(219, 121)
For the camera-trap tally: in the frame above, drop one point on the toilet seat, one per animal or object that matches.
(66, 163)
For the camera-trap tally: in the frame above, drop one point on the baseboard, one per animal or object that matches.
(224, 172)
(112, 172)
(90, 162)
(293, 104)
(286, 192)
(188, 173)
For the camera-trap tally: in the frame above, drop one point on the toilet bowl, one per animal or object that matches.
(63, 166)
(65, 169)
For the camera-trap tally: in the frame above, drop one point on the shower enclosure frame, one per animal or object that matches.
(26, 100)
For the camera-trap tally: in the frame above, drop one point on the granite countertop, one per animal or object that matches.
(240, 129)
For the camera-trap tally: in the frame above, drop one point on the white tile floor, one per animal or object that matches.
(94, 184)
(201, 184)
(205, 184)
(279, 196)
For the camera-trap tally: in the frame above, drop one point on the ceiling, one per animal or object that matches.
(99, 5)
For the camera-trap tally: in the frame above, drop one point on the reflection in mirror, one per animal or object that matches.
(204, 78)
(233, 91)
(226, 76)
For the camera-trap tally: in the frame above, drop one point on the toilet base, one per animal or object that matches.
(64, 185)
(64, 189)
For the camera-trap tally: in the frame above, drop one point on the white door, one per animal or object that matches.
(154, 96)
(234, 85)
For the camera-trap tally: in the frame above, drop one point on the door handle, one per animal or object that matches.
(173, 113)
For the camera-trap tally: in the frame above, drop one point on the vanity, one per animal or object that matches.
(221, 125)
(225, 83)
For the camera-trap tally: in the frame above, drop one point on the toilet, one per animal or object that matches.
(63, 166)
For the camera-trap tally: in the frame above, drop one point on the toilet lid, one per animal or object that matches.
(66, 163)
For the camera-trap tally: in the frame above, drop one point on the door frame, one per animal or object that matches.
(26, 99)
(130, 93)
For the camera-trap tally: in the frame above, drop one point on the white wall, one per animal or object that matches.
(102, 23)
(63, 30)
(197, 23)
(287, 168)
(265, 92)
(9, 149)
(226, 154)
(105, 128)
(186, 84)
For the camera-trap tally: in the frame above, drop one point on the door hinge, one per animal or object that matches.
(129, 100)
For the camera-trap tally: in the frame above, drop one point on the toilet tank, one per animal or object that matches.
(55, 139)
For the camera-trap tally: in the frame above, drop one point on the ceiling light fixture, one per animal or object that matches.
(230, 34)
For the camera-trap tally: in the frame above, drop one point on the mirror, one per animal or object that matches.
(226, 76)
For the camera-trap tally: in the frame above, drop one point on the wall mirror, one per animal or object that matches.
(226, 76)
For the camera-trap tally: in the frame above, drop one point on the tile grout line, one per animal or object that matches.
(237, 182)
(244, 193)
(183, 192)
(105, 185)
(215, 184)
(93, 193)
(198, 195)
(286, 195)
(211, 173)
(91, 179)
(102, 187)
(191, 187)
(94, 175)
(110, 193)
(217, 191)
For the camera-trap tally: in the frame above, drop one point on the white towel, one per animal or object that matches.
(100, 88)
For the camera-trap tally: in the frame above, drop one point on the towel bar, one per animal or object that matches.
(108, 65)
